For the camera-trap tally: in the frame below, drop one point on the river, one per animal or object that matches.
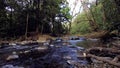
(39, 55)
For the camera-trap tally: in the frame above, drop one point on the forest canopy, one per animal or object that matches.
(20, 17)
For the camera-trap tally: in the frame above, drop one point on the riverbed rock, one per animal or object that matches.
(54, 55)
(11, 57)
(11, 66)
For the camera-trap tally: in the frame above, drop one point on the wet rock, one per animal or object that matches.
(91, 39)
(28, 43)
(67, 57)
(49, 40)
(4, 45)
(58, 39)
(97, 61)
(82, 38)
(11, 57)
(13, 44)
(11, 66)
(74, 40)
(42, 48)
(51, 55)
(45, 43)
(8, 66)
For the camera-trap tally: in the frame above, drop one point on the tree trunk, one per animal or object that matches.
(42, 28)
(11, 15)
(38, 16)
(26, 29)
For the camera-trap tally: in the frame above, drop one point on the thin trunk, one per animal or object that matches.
(69, 27)
(51, 23)
(42, 28)
(38, 16)
(26, 26)
(11, 19)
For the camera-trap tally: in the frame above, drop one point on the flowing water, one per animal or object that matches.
(56, 55)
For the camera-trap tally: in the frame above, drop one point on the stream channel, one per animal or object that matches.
(58, 54)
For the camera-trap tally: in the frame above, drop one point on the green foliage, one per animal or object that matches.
(112, 14)
(39, 14)
(81, 28)
(104, 15)
(80, 25)
(98, 16)
(65, 10)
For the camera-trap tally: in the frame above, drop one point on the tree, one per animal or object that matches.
(21, 17)
(101, 15)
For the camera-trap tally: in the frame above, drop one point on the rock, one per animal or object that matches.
(51, 54)
(92, 39)
(8, 66)
(75, 40)
(58, 39)
(17, 46)
(11, 66)
(45, 43)
(42, 48)
(4, 45)
(49, 40)
(82, 38)
(51, 45)
(71, 62)
(11, 57)
(97, 61)
(23, 42)
(13, 44)
(76, 64)
(67, 57)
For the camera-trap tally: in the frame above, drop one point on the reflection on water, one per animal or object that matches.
(83, 42)
(90, 43)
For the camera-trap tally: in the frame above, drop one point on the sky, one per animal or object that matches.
(78, 6)
(72, 4)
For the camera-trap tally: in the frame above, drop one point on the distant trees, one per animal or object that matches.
(19, 17)
(101, 15)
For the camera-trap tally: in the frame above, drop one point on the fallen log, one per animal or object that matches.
(104, 60)
(105, 52)
(116, 59)
(116, 45)
(103, 49)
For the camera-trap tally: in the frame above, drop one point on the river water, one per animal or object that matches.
(55, 55)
